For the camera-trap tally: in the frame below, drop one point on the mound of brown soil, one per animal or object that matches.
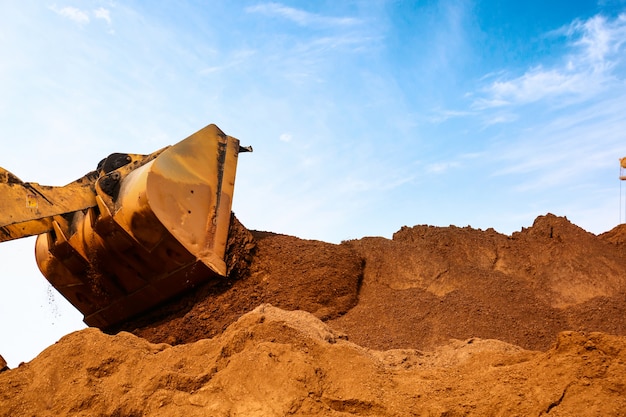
(423, 287)
(276, 363)
(290, 273)
(616, 236)
(429, 284)
(541, 315)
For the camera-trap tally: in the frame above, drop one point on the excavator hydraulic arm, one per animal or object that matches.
(137, 231)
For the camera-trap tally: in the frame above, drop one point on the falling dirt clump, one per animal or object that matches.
(240, 249)
(441, 321)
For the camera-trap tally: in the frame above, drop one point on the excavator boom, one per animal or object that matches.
(27, 209)
(138, 230)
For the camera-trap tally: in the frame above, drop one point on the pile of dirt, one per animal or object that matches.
(277, 363)
(617, 236)
(288, 272)
(430, 284)
(422, 288)
(435, 321)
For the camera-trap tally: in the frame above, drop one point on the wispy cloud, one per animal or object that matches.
(300, 58)
(83, 17)
(300, 17)
(304, 59)
(297, 56)
(72, 13)
(102, 13)
(554, 132)
(441, 167)
(600, 39)
(500, 117)
(441, 115)
(598, 45)
(566, 151)
(536, 84)
(235, 59)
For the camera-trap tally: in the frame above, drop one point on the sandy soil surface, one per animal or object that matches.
(439, 321)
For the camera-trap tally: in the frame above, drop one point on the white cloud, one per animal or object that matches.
(598, 44)
(598, 38)
(300, 17)
(441, 115)
(500, 118)
(537, 84)
(102, 13)
(285, 137)
(82, 17)
(74, 14)
(441, 167)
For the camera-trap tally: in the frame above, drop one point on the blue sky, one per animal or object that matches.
(364, 115)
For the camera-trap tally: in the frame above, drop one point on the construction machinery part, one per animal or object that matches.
(135, 232)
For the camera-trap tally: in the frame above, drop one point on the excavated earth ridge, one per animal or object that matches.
(440, 321)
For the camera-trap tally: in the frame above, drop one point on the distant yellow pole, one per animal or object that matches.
(622, 167)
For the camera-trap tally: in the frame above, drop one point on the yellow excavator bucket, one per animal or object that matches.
(136, 232)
